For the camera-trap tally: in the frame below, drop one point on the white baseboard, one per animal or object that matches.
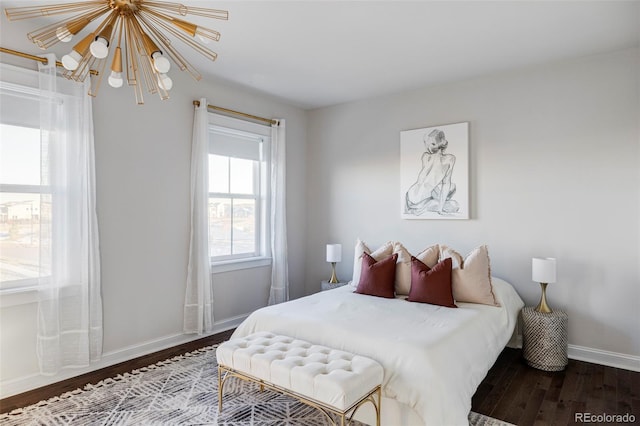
(598, 356)
(34, 381)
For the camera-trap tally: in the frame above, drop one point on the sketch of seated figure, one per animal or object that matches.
(433, 190)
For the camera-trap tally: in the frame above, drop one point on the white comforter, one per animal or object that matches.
(434, 358)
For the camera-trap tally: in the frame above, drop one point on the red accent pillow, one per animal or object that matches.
(378, 278)
(431, 285)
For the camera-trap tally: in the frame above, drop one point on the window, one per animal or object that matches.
(238, 195)
(24, 204)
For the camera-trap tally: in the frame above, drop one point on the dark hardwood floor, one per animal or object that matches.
(512, 391)
(519, 394)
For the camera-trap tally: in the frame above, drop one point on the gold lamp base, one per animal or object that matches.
(542, 306)
(334, 278)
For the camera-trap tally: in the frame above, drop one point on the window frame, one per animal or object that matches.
(24, 83)
(256, 197)
(21, 284)
(236, 127)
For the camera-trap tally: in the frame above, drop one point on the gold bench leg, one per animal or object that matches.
(220, 385)
(378, 406)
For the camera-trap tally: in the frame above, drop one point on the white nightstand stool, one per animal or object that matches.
(326, 285)
(544, 344)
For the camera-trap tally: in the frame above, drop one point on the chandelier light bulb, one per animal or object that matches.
(71, 60)
(63, 34)
(115, 79)
(160, 63)
(100, 47)
(165, 81)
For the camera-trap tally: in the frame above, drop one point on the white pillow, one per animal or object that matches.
(428, 256)
(385, 250)
(471, 276)
(506, 295)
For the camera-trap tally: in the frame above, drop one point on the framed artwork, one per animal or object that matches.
(434, 172)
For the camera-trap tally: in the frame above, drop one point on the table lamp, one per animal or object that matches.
(543, 270)
(334, 254)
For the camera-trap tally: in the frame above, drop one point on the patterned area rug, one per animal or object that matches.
(179, 391)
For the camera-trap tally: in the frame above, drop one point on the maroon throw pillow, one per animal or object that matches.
(378, 278)
(431, 285)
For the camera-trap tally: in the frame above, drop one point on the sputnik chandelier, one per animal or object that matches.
(138, 30)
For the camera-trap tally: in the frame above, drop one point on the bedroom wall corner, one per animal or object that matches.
(554, 170)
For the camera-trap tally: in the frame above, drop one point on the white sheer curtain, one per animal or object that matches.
(70, 303)
(279, 268)
(198, 304)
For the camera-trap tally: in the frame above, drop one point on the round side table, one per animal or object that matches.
(544, 344)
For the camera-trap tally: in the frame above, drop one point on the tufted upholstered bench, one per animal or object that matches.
(330, 380)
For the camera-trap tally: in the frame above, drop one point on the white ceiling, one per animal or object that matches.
(319, 53)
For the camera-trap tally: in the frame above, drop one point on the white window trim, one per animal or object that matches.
(257, 250)
(222, 266)
(240, 127)
(25, 290)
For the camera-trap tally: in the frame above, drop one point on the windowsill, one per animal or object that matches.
(238, 264)
(33, 294)
(18, 296)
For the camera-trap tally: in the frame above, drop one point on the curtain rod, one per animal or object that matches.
(35, 58)
(242, 114)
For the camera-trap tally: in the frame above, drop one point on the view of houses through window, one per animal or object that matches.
(237, 178)
(23, 211)
(232, 206)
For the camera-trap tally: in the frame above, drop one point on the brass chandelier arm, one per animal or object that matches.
(131, 50)
(28, 12)
(46, 37)
(34, 57)
(143, 44)
(149, 19)
(186, 27)
(180, 9)
(168, 47)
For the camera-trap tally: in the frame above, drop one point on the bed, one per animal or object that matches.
(433, 357)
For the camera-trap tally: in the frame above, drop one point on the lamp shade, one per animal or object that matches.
(543, 269)
(334, 252)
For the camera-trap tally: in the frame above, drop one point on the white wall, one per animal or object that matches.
(555, 162)
(554, 170)
(142, 166)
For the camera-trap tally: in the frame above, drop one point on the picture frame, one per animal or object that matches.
(434, 172)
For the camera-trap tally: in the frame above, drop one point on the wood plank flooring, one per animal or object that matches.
(511, 391)
(514, 392)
